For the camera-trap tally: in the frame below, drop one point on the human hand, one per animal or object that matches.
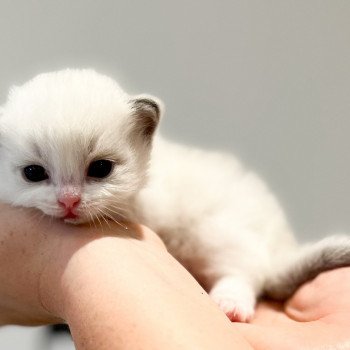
(317, 316)
(36, 254)
(116, 289)
(105, 283)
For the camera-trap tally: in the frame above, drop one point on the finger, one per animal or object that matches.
(326, 295)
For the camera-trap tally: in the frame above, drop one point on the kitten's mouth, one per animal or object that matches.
(70, 215)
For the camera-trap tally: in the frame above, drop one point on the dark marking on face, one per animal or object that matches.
(36, 149)
(92, 144)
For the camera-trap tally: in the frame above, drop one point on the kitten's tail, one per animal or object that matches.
(327, 254)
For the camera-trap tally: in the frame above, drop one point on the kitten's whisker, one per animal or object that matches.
(103, 217)
(120, 190)
(99, 221)
(85, 207)
(93, 220)
(116, 212)
(120, 211)
(116, 221)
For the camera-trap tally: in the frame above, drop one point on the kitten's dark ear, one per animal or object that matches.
(147, 111)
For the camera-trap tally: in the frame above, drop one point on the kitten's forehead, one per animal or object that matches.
(46, 144)
(64, 155)
(69, 97)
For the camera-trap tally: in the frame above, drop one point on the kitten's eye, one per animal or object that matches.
(100, 168)
(35, 173)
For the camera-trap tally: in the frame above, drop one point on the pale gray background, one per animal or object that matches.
(268, 80)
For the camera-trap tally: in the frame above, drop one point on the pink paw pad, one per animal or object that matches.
(236, 311)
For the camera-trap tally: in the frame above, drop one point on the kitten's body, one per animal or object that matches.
(216, 217)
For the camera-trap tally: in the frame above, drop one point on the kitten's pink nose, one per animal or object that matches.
(69, 201)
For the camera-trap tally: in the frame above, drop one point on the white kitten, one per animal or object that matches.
(77, 147)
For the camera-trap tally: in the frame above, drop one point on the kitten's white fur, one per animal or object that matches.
(215, 216)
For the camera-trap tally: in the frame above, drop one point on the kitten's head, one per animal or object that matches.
(74, 145)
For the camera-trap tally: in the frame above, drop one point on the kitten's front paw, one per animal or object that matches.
(236, 310)
(235, 297)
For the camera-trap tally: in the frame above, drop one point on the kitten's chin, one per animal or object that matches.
(72, 221)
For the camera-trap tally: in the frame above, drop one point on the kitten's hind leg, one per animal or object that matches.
(235, 296)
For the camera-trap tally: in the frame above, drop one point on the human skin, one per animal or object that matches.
(317, 316)
(120, 289)
(116, 288)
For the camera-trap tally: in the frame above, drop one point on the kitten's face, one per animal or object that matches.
(75, 146)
